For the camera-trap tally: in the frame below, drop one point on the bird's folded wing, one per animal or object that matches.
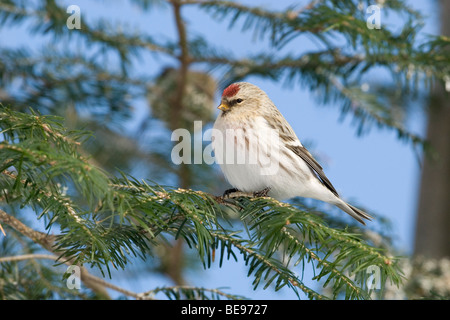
(303, 153)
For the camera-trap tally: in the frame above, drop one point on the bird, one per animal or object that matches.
(259, 153)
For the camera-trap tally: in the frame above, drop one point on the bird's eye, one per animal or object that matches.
(239, 100)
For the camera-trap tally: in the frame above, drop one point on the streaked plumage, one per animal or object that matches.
(256, 148)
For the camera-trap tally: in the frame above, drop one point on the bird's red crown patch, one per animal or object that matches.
(231, 90)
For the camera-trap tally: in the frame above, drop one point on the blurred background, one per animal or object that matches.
(134, 71)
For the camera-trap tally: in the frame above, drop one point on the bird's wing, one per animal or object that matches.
(287, 134)
(303, 153)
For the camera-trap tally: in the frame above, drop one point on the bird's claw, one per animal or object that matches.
(262, 193)
(229, 191)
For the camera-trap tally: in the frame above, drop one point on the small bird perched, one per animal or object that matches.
(259, 152)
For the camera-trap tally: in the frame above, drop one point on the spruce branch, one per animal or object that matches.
(254, 258)
(189, 292)
(89, 279)
(47, 242)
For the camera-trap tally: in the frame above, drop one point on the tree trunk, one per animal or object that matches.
(432, 238)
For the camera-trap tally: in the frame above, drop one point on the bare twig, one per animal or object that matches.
(45, 240)
(28, 257)
(86, 276)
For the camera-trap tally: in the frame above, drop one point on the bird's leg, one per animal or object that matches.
(229, 191)
(263, 193)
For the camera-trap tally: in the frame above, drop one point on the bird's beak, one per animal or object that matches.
(223, 107)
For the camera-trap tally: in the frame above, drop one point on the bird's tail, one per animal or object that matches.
(356, 213)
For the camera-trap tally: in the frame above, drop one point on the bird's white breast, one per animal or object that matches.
(247, 152)
(253, 157)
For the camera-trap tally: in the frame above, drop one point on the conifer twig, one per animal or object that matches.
(28, 257)
(47, 242)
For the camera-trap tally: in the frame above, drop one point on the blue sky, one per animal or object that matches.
(376, 171)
